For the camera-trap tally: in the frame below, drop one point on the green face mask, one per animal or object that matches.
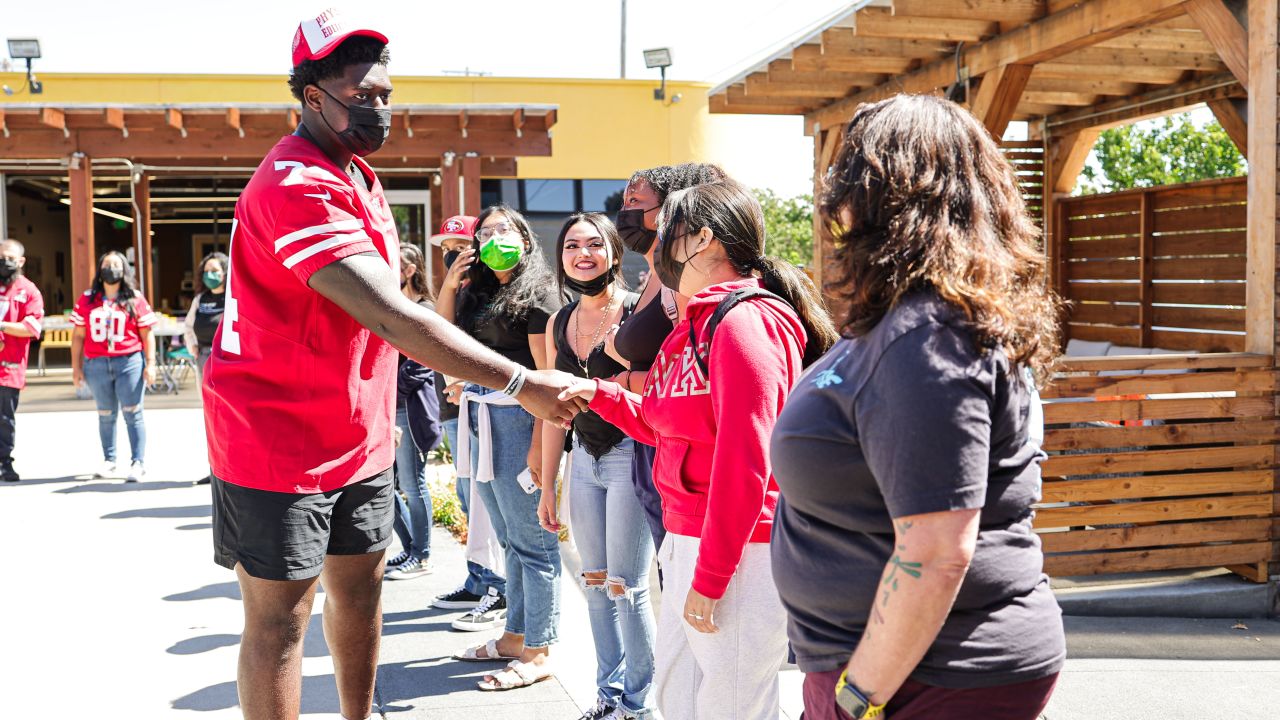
(502, 252)
(212, 280)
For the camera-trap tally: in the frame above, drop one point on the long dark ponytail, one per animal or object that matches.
(737, 221)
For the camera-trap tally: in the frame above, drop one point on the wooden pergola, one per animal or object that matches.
(1158, 461)
(461, 143)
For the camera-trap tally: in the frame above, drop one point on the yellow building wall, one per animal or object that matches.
(605, 129)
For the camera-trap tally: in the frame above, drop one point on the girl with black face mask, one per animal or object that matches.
(637, 342)
(606, 511)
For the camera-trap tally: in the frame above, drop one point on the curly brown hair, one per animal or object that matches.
(931, 202)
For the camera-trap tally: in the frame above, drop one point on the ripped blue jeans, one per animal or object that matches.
(616, 547)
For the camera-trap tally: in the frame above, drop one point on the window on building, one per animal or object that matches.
(549, 196)
(602, 196)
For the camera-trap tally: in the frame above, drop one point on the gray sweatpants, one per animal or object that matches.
(732, 674)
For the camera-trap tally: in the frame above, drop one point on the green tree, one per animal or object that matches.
(1160, 152)
(788, 225)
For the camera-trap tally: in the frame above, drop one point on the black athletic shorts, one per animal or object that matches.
(285, 536)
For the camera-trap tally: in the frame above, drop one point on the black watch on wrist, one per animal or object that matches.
(853, 701)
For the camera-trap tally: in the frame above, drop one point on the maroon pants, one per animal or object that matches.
(915, 701)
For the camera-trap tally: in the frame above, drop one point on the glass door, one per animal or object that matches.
(412, 211)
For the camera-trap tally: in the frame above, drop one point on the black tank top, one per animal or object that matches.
(641, 336)
(596, 435)
(209, 309)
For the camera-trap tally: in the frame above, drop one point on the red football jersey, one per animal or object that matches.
(20, 301)
(298, 396)
(111, 327)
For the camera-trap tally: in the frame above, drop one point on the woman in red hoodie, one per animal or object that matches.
(710, 407)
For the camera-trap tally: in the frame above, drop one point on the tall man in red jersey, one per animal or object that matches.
(300, 388)
(21, 310)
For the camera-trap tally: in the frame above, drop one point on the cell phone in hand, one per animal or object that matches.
(525, 478)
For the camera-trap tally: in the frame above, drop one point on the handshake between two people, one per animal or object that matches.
(556, 396)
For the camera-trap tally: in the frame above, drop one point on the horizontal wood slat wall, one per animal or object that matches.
(1158, 267)
(1160, 462)
(1027, 158)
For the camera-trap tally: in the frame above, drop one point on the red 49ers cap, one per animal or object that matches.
(320, 35)
(462, 227)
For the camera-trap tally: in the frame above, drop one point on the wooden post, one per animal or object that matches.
(142, 238)
(450, 200)
(83, 256)
(1146, 248)
(998, 97)
(1261, 221)
(1260, 278)
(470, 186)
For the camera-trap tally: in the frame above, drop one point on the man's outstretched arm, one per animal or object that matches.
(365, 288)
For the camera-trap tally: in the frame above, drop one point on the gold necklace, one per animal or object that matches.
(595, 337)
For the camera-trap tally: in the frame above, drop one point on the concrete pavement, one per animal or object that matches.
(112, 607)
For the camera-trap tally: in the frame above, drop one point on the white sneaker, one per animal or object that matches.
(108, 470)
(136, 472)
(489, 613)
(409, 569)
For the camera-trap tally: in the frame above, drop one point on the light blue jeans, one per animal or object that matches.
(532, 554)
(479, 578)
(413, 511)
(118, 382)
(613, 539)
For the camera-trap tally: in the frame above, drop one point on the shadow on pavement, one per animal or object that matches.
(189, 511)
(319, 695)
(203, 643)
(112, 486)
(47, 481)
(195, 526)
(1152, 638)
(229, 590)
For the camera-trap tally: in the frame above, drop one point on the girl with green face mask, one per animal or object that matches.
(501, 245)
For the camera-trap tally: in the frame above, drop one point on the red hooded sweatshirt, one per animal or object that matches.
(712, 466)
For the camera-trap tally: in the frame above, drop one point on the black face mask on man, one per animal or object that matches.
(594, 286)
(632, 231)
(8, 268)
(367, 128)
(451, 257)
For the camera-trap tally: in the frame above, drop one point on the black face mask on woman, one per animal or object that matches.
(634, 234)
(111, 275)
(594, 286)
(367, 128)
(668, 268)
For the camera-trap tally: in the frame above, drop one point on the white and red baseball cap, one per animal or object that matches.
(461, 227)
(320, 35)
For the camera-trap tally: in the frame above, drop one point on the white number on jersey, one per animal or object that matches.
(231, 313)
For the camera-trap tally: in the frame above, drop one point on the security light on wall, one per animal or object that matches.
(25, 49)
(659, 58)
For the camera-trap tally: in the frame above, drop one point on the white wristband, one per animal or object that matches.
(516, 384)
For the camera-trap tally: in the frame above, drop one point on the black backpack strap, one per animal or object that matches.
(729, 302)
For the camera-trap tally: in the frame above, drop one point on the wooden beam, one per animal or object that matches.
(173, 118)
(810, 58)
(998, 97)
(1206, 62)
(780, 71)
(1225, 33)
(3, 127)
(54, 118)
(517, 122)
(292, 119)
(83, 255)
(720, 104)
(1069, 153)
(1072, 29)
(1016, 11)
(1120, 73)
(1161, 39)
(114, 117)
(759, 85)
(1059, 97)
(1168, 99)
(470, 186)
(142, 238)
(450, 189)
(1091, 86)
(1261, 231)
(843, 41)
(883, 23)
(1231, 114)
(738, 96)
(233, 120)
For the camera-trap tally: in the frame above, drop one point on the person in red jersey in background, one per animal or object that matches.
(21, 310)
